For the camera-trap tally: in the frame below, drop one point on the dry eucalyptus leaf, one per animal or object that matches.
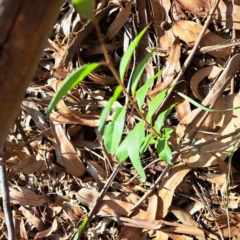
(71, 160)
(209, 72)
(167, 187)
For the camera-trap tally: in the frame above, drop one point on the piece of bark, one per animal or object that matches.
(25, 26)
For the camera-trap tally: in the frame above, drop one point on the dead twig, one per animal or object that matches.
(100, 198)
(6, 199)
(189, 59)
(154, 186)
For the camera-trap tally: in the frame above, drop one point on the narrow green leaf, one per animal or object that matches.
(128, 54)
(79, 231)
(164, 150)
(70, 82)
(142, 91)
(122, 152)
(135, 140)
(138, 72)
(113, 131)
(203, 107)
(85, 7)
(162, 118)
(154, 104)
(107, 109)
(146, 143)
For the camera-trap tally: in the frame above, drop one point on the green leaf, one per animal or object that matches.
(107, 109)
(135, 140)
(146, 143)
(85, 7)
(70, 82)
(128, 54)
(154, 104)
(79, 231)
(166, 132)
(203, 107)
(138, 72)
(162, 118)
(113, 131)
(122, 152)
(164, 150)
(142, 91)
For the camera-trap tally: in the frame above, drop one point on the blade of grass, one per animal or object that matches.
(80, 229)
(196, 104)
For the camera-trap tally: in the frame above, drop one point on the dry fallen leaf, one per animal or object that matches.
(119, 21)
(189, 31)
(37, 222)
(167, 187)
(25, 197)
(209, 72)
(168, 74)
(71, 160)
(48, 231)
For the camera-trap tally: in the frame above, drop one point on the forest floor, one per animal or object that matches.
(57, 167)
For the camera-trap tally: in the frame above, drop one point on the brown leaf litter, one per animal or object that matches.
(57, 168)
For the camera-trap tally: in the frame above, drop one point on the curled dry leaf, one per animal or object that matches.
(71, 160)
(215, 125)
(209, 72)
(119, 21)
(168, 74)
(167, 187)
(188, 31)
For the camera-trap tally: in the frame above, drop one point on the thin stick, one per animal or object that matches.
(101, 196)
(190, 57)
(154, 186)
(6, 199)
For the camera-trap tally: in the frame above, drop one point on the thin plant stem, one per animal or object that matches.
(115, 74)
